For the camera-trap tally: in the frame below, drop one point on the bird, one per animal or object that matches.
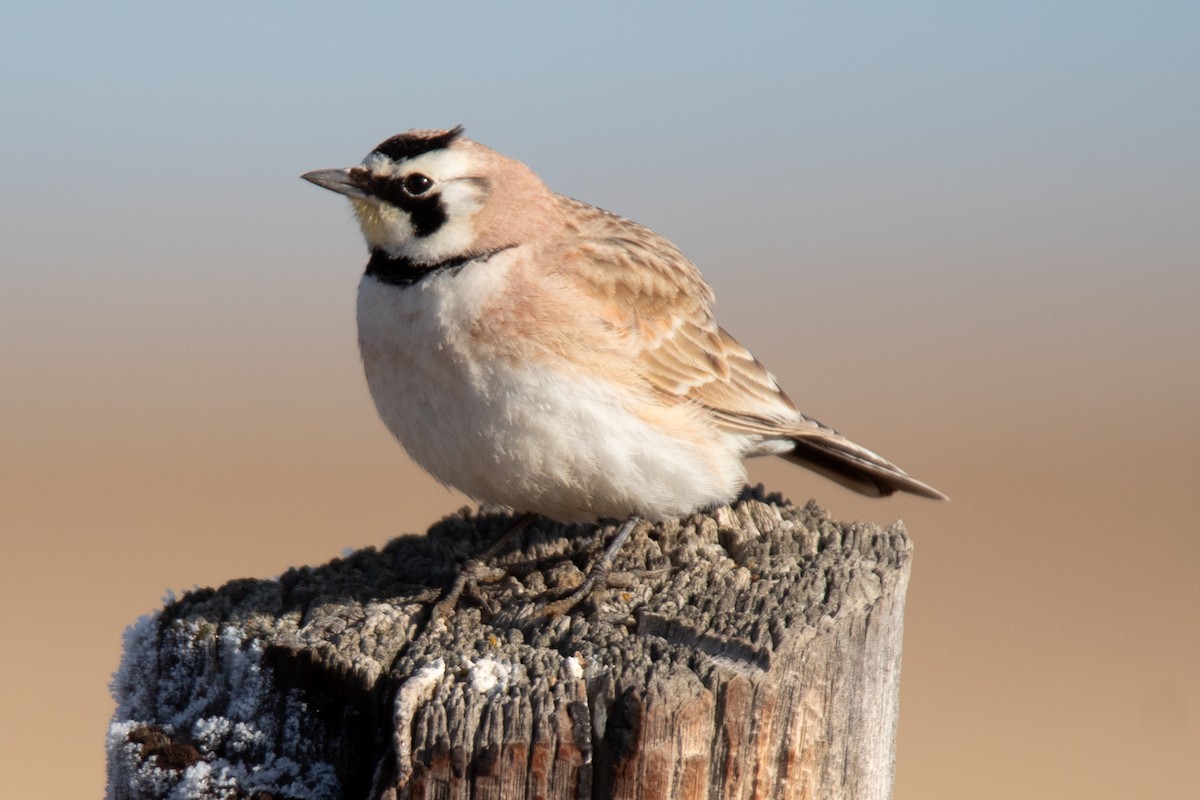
(539, 353)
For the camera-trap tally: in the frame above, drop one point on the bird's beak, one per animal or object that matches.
(335, 180)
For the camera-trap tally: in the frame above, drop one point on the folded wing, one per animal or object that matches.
(655, 296)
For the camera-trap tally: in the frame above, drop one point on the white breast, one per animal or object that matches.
(522, 435)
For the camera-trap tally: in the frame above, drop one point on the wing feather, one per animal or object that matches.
(657, 301)
(656, 297)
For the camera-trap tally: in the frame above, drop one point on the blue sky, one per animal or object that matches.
(675, 114)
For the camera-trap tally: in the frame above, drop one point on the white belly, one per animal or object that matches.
(524, 436)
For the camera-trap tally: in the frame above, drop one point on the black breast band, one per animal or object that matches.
(401, 271)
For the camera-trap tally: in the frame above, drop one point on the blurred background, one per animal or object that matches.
(965, 234)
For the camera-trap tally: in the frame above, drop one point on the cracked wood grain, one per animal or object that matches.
(753, 652)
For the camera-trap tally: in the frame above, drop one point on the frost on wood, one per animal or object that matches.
(750, 652)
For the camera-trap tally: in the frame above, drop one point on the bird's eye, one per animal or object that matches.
(417, 183)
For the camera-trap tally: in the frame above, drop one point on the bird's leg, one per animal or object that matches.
(597, 575)
(473, 569)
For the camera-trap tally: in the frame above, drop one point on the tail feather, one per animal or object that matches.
(857, 468)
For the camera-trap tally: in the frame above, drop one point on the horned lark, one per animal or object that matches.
(537, 352)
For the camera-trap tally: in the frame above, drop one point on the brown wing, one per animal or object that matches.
(652, 294)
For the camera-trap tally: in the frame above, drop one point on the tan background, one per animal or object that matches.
(969, 240)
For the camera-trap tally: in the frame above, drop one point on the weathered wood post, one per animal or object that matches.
(750, 653)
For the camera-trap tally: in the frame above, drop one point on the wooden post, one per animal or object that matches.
(749, 653)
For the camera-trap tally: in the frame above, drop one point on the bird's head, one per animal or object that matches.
(428, 196)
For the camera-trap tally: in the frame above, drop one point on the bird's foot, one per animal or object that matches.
(597, 577)
(477, 571)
